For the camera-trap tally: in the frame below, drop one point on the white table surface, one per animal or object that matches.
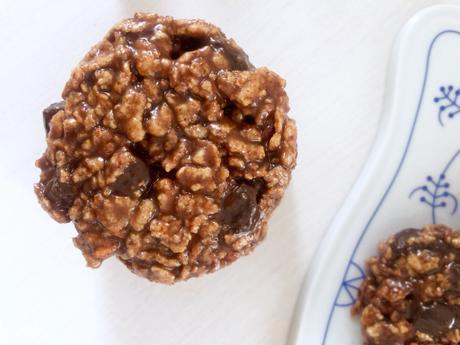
(333, 54)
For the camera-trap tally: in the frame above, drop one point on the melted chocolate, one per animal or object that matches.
(400, 246)
(238, 60)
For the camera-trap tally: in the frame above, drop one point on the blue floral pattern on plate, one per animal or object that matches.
(449, 103)
(435, 192)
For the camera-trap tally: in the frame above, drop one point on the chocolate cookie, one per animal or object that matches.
(169, 149)
(412, 293)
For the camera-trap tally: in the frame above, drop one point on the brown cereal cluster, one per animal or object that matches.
(169, 149)
(412, 293)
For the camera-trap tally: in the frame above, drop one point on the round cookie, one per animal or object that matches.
(169, 149)
(412, 292)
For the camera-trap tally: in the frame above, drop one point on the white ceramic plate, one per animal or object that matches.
(411, 178)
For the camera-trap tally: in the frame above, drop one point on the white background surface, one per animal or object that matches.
(332, 53)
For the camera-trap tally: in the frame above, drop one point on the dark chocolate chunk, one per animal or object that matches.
(240, 210)
(136, 177)
(399, 245)
(50, 111)
(61, 195)
(437, 319)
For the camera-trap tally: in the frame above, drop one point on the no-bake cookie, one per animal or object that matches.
(169, 149)
(412, 293)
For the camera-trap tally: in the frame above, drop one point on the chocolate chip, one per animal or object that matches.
(437, 319)
(240, 210)
(50, 111)
(60, 195)
(132, 37)
(399, 245)
(136, 177)
(183, 44)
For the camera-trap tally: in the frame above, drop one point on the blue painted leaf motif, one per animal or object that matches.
(449, 102)
(350, 286)
(435, 192)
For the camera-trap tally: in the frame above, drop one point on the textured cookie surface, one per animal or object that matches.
(169, 149)
(412, 293)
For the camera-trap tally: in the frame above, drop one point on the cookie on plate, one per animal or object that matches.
(412, 292)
